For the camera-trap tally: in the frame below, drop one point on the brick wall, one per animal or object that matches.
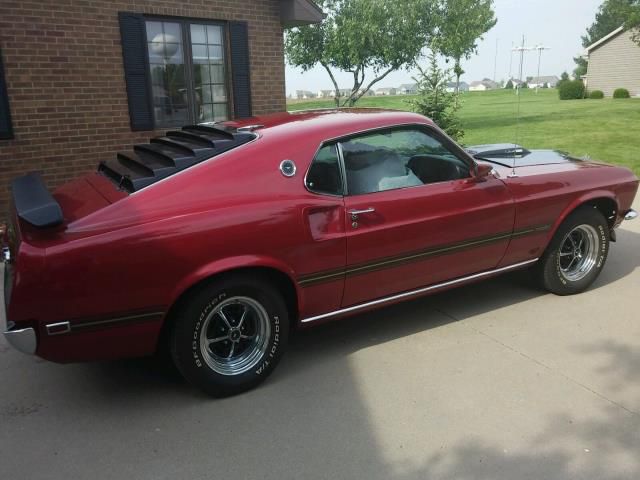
(65, 79)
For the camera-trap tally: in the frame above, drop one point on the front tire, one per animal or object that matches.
(576, 254)
(230, 335)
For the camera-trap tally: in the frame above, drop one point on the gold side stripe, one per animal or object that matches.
(420, 291)
(399, 260)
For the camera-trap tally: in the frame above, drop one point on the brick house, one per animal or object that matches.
(81, 79)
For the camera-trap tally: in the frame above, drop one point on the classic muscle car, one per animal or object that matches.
(217, 240)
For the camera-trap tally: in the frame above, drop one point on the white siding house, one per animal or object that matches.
(543, 82)
(408, 89)
(304, 94)
(614, 62)
(482, 85)
(386, 91)
(462, 87)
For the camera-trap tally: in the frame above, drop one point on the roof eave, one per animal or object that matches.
(296, 13)
(595, 45)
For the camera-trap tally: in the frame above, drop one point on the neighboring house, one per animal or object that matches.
(514, 81)
(304, 94)
(543, 82)
(81, 83)
(462, 87)
(614, 62)
(343, 92)
(386, 91)
(482, 85)
(408, 89)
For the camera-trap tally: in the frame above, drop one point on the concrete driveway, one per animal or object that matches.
(492, 381)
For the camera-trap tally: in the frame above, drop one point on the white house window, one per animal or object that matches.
(188, 72)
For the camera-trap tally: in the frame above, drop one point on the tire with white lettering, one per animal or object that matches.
(230, 334)
(576, 254)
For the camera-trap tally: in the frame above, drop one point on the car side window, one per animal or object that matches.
(325, 176)
(398, 158)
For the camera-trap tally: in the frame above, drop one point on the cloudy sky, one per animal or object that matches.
(557, 24)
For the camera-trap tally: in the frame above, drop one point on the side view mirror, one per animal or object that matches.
(481, 171)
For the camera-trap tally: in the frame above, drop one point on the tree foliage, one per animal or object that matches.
(434, 101)
(462, 24)
(581, 67)
(633, 21)
(357, 35)
(610, 15)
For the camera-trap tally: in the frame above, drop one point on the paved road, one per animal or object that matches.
(492, 381)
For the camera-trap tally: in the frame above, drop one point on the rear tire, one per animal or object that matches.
(230, 335)
(576, 254)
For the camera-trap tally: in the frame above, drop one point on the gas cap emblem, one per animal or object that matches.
(288, 168)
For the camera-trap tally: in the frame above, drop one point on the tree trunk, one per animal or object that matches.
(458, 72)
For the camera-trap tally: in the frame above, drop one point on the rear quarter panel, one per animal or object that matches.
(142, 253)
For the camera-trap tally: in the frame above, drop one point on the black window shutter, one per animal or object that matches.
(239, 48)
(136, 70)
(6, 131)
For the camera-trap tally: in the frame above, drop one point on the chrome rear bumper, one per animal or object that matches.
(630, 214)
(23, 339)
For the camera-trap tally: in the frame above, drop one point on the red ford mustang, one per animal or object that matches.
(217, 240)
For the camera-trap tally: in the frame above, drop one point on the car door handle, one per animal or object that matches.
(354, 213)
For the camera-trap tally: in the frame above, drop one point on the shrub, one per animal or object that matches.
(509, 85)
(571, 90)
(621, 93)
(564, 78)
(596, 94)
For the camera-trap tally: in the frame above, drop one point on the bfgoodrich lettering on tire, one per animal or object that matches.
(576, 254)
(230, 334)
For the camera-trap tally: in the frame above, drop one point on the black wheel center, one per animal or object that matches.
(234, 335)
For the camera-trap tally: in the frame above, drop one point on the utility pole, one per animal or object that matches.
(495, 63)
(511, 62)
(540, 48)
(520, 49)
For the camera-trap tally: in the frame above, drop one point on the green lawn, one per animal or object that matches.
(607, 129)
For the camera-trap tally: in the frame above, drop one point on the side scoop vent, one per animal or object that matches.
(165, 156)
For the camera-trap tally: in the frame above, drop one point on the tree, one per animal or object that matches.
(434, 101)
(633, 21)
(581, 67)
(610, 15)
(509, 85)
(361, 35)
(462, 23)
(564, 78)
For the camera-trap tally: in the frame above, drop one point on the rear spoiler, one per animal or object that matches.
(33, 202)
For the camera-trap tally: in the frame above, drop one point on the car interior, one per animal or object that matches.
(385, 161)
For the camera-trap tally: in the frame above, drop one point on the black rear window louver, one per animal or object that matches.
(164, 156)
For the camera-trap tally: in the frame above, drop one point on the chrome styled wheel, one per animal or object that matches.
(578, 252)
(235, 336)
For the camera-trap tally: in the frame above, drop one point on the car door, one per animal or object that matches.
(415, 215)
